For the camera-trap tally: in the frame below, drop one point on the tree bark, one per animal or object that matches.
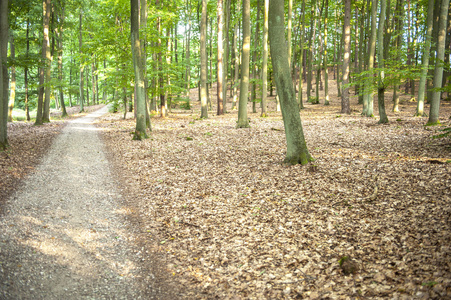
(380, 49)
(12, 95)
(243, 121)
(301, 58)
(203, 61)
(297, 152)
(220, 75)
(265, 60)
(3, 74)
(438, 71)
(426, 53)
(345, 105)
(368, 96)
(140, 98)
(82, 67)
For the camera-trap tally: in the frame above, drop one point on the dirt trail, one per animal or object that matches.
(64, 234)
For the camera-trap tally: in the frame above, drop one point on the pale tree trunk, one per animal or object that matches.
(345, 106)
(297, 152)
(187, 53)
(3, 74)
(226, 16)
(255, 47)
(368, 96)
(27, 108)
(59, 45)
(236, 66)
(243, 121)
(265, 60)
(438, 71)
(40, 114)
(82, 67)
(12, 95)
(436, 19)
(220, 74)
(426, 52)
(380, 49)
(310, 52)
(398, 28)
(289, 29)
(301, 58)
(48, 63)
(361, 51)
(143, 39)
(203, 61)
(326, 69)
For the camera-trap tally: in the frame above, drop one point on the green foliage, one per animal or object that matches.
(446, 133)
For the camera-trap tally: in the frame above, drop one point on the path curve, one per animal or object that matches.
(64, 234)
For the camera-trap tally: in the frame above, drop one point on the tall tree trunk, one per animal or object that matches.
(326, 69)
(48, 62)
(438, 71)
(245, 57)
(297, 152)
(289, 29)
(42, 70)
(4, 26)
(236, 66)
(203, 61)
(345, 106)
(59, 45)
(12, 96)
(368, 97)
(301, 58)
(220, 75)
(254, 60)
(431, 71)
(265, 60)
(426, 52)
(380, 49)
(226, 16)
(310, 52)
(399, 31)
(141, 126)
(82, 66)
(27, 51)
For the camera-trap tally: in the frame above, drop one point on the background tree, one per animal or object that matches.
(345, 105)
(438, 71)
(243, 121)
(203, 61)
(3, 73)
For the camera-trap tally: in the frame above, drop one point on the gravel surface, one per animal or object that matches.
(65, 234)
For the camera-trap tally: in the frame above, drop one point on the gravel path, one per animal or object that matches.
(64, 234)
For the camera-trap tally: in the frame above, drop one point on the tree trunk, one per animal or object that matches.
(380, 49)
(254, 60)
(12, 96)
(80, 47)
(203, 61)
(297, 152)
(220, 75)
(368, 97)
(48, 61)
(243, 121)
(226, 16)
(438, 71)
(59, 44)
(426, 52)
(301, 58)
(236, 66)
(265, 60)
(326, 69)
(345, 106)
(27, 108)
(4, 26)
(140, 98)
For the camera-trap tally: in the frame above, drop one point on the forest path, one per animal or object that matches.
(64, 234)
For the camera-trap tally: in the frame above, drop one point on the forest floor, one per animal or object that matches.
(216, 206)
(230, 221)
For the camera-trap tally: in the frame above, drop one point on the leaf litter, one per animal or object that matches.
(230, 221)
